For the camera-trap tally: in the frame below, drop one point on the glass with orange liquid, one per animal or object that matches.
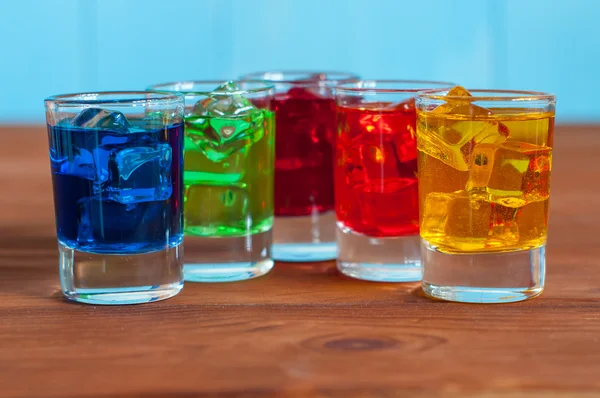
(484, 165)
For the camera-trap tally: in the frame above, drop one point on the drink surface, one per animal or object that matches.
(229, 173)
(304, 153)
(484, 177)
(376, 182)
(117, 183)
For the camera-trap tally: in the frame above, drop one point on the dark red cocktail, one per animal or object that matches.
(305, 131)
(304, 147)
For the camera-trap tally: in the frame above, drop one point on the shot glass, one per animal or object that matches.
(228, 178)
(304, 207)
(376, 179)
(117, 173)
(485, 158)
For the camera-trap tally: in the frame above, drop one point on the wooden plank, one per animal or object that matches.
(303, 330)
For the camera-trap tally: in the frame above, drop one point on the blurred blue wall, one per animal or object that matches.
(51, 47)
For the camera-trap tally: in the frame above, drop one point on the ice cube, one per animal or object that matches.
(434, 214)
(199, 108)
(353, 165)
(117, 225)
(140, 174)
(458, 106)
(503, 225)
(223, 123)
(511, 174)
(101, 161)
(395, 128)
(453, 145)
(458, 91)
(406, 131)
(220, 137)
(384, 161)
(465, 107)
(225, 100)
(211, 208)
(454, 105)
(198, 125)
(225, 89)
(533, 223)
(455, 215)
(101, 119)
(373, 123)
(78, 163)
(233, 105)
(452, 140)
(482, 162)
(433, 173)
(406, 147)
(456, 223)
(389, 203)
(371, 159)
(536, 184)
(374, 171)
(113, 141)
(83, 163)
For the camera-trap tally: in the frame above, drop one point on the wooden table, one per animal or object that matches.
(303, 330)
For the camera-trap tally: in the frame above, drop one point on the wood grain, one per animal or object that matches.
(303, 330)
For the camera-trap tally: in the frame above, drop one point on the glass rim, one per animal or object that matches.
(161, 87)
(496, 95)
(136, 97)
(413, 86)
(345, 76)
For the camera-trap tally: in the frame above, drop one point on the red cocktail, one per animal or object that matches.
(376, 190)
(376, 187)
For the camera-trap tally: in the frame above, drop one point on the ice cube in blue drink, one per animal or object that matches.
(140, 174)
(83, 155)
(82, 163)
(101, 119)
(79, 162)
(127, 227)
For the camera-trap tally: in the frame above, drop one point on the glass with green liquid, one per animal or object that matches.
(228, 179)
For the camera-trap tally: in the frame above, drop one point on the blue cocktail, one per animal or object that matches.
(118, 185)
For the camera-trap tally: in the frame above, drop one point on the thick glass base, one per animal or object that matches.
(116, 279)
(224, 259)
(394, 259)
(305, 238)
(483, 277)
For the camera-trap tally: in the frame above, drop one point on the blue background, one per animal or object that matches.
(52, 47)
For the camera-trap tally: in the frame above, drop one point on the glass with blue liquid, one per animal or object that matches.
(117, 173)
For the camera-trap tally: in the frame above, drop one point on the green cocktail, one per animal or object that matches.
(228, 179)
(228, 174)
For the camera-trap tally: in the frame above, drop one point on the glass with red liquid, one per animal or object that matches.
(305, 126)
(377, 206)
